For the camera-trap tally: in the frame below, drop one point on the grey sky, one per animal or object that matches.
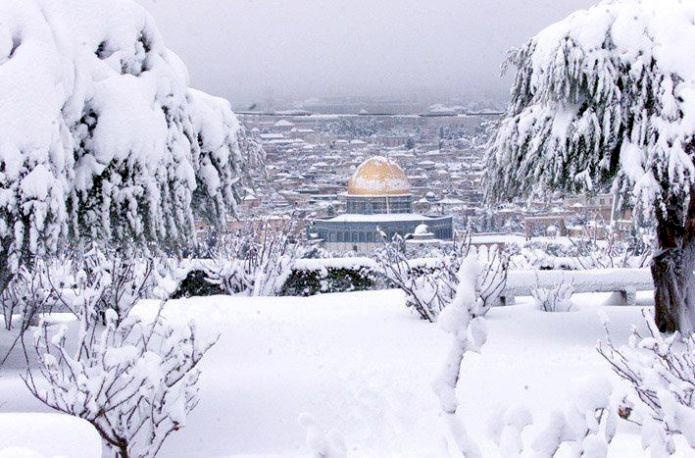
(250, 49)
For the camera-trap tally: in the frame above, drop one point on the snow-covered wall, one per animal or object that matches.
(100, 135)
(521, 282)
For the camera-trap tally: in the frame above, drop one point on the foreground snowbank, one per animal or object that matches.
(362, 365)
(35, 435)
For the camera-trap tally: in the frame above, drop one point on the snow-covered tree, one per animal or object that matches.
(606, 98)
(133, 378)
(135, 381)
(101, 139)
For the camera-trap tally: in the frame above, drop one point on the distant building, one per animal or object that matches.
(379, 201)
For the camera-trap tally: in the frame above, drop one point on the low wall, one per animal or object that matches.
(625, 282)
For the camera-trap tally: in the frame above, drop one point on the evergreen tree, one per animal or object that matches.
(101, 139)
(606, 99)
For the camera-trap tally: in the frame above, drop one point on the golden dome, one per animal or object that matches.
(379, 176)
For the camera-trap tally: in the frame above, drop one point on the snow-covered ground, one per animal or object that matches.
(362, 366)
(60, 435)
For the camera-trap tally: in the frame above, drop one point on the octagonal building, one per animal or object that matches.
(379, 201)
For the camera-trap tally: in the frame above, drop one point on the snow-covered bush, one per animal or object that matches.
(196, 283)
(585, 427)
(100, 136)
(255, 263)
(337, 275)
(555, 299)
(135, 381)
(431, 284)
(477, 287)
(604, 100)
(116, 281)
(463, 319)
(27, 294)
(505, 428)
(660, 372)
(428, 288)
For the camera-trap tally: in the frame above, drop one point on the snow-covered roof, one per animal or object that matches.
(451, 201)
(271, 136)
(353, 218)
(422, 229)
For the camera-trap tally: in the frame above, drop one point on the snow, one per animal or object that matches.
(579, 94)
(37, 435)
(598, 280)
(361, 367)
(335, 263)
(422, 229)
(90, 92)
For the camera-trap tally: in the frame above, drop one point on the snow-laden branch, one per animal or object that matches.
(134, 379)
(477, 286)
(101, 137)
(605, 94)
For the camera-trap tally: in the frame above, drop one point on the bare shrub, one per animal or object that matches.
(430, 284)
(610, 252)
(135, 380)
(660, 372)
(25, 297)
(254, 263)
(554, 299)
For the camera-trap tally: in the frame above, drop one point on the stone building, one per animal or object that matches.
(379, 203)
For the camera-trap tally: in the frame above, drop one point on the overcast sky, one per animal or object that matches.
(248, 50)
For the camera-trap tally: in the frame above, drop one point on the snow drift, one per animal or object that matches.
(47, 434)
(100, 135)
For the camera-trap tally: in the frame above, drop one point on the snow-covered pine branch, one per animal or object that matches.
(100, 136)
(605, 98)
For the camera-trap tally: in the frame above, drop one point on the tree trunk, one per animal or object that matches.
(672, 265)
(689, 259)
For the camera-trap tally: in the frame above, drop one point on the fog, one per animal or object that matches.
(249, 50)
